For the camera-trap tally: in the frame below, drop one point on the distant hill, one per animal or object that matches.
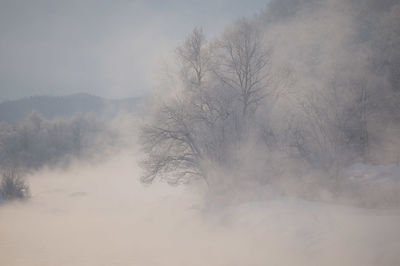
(52, 107)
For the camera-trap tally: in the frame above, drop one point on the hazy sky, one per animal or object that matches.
(106, 48)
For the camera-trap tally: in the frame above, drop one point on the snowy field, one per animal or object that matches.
(102, 216)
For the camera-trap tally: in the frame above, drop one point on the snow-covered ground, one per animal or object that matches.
(373, 185)
(374, 173)
(102, 216)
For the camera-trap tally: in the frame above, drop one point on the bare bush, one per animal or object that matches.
(13, 186)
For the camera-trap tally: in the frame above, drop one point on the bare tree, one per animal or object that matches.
(172, 146)
(242, 63)
(196, 127)
(173, 140)
(194, 56)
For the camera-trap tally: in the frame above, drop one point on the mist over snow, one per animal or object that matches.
(267, 133)
(102, 215)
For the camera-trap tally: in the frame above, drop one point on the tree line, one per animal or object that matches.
(36, 142)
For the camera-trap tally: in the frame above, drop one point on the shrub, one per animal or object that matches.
(13, 186)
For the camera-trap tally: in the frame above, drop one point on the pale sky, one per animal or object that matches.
(106, 48)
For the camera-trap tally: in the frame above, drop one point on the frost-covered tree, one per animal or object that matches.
(312, 82)
(36, 141)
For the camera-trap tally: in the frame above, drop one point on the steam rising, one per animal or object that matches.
(101, 215)
(285, 186)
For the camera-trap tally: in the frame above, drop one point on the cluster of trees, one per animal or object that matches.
(221, 86)
(36, 141)
(313, 82)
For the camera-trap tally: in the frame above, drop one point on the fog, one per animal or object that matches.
(101, 215)
(272, 141)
